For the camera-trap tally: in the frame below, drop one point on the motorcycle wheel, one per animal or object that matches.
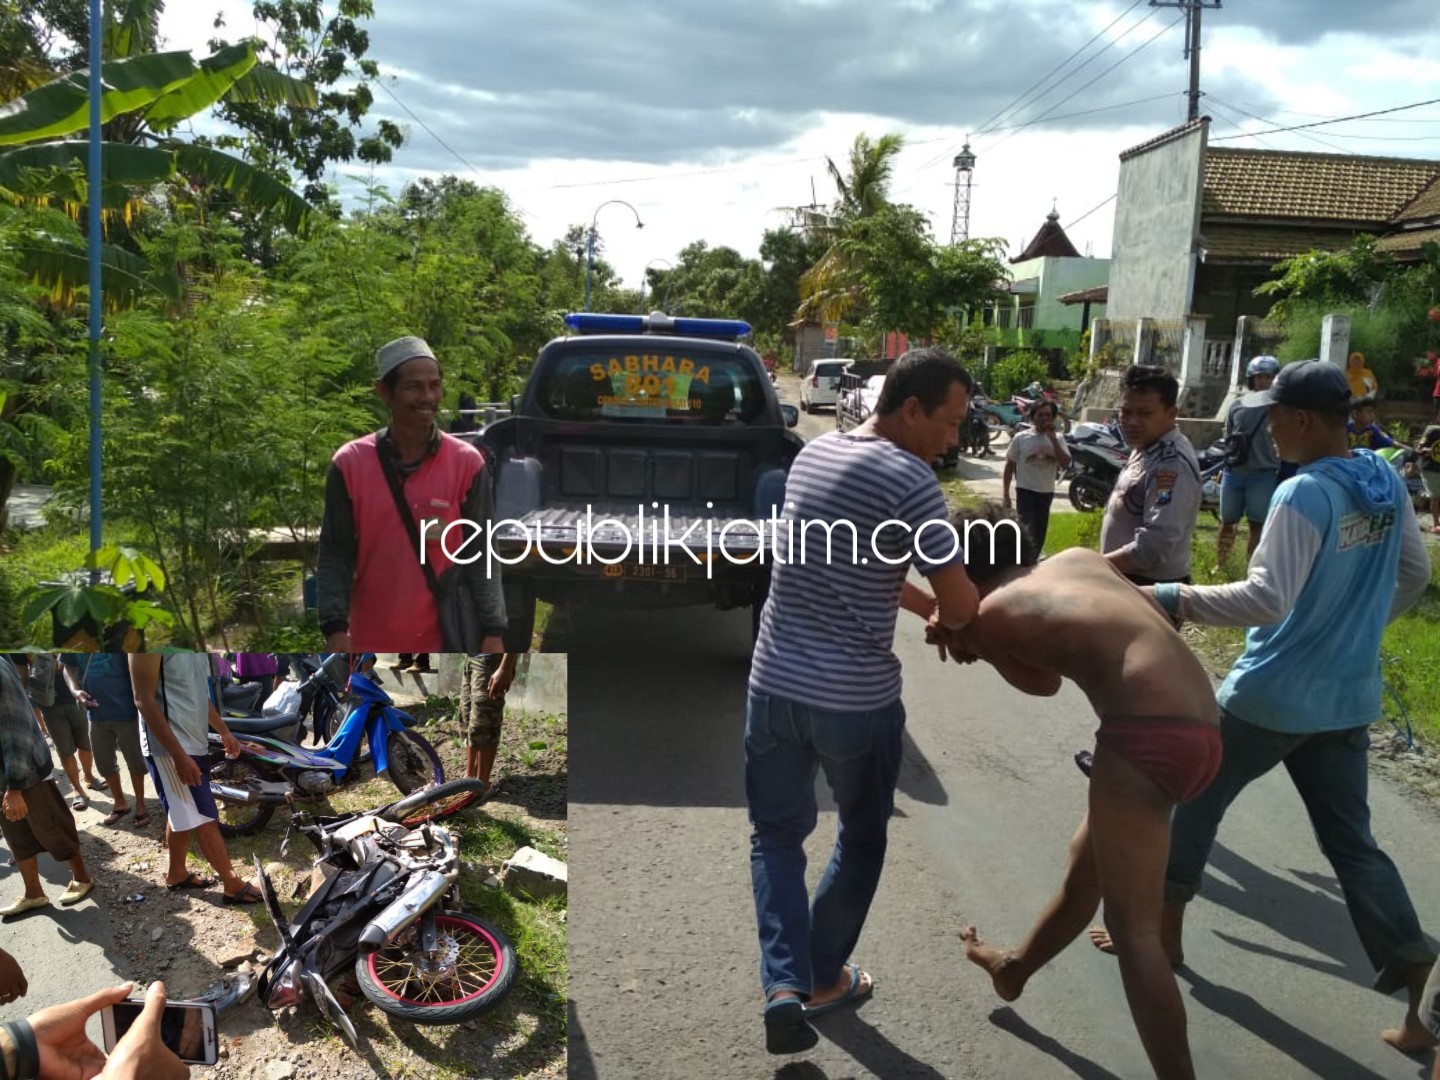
(479, 973)
(1088, 494)
(239, 819)
(444, 800)
(413, 762)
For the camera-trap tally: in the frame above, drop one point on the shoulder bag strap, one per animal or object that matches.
(392, 478)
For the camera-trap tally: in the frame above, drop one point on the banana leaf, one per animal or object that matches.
(64, 268)
(63, 105)
(215, 75)
(265, 85)
(208, 165)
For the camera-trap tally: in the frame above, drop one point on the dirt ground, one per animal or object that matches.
(190, 939)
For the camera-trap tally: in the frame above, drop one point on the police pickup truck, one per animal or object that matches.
(642, 466)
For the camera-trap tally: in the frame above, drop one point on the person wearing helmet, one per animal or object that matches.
(1251, 464)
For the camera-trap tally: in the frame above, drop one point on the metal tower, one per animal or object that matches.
(960, 221)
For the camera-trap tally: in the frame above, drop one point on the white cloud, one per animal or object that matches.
(709, 135)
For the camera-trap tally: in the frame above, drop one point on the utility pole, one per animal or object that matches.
(1192, 9)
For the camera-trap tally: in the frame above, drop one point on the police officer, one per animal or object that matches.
(1151, 513)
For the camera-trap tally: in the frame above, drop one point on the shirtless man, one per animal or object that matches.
(1073, 616)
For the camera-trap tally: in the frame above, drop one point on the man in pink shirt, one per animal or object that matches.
(374, 594)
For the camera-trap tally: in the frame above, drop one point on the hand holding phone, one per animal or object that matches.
(60, 1034)
(153, 1041)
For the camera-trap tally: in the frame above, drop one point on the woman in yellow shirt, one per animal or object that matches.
(1362, 380)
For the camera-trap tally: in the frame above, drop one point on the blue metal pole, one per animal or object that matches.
(589, 263)
(94, 181)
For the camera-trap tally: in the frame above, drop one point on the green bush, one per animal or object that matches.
(1015, 372)
(1391, 339)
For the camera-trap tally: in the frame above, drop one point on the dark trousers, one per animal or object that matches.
(1330, 770)
(1034, 510)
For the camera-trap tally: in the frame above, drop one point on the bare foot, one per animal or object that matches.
(1101, 939)
(1009, 982)
(839, 988)
(1411, 1037)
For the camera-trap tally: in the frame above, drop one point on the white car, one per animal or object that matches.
(821, 384)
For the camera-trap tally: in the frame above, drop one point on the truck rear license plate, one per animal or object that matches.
(646, 572)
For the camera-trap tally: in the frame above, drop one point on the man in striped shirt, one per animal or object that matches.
(860, 508)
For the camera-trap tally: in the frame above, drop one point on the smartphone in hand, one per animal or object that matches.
(187, 1028)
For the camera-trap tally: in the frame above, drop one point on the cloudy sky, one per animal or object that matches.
(710, 118)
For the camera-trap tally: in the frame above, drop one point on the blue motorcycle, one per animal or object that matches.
(270, 771)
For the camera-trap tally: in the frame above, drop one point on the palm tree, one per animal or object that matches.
(829, 290)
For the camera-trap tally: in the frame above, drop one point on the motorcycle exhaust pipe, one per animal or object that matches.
(421, 893)
(233, 794)
(230, 793)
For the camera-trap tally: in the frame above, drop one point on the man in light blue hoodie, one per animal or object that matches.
(1340, 557)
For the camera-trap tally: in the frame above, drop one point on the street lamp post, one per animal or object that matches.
(590, 241)
(666, 305)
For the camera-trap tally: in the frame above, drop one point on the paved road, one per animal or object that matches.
(663, 959)
(981, 475)
(69, 952)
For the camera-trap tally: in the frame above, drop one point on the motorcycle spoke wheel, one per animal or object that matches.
(239, 819)
(441, 807)
(473, 968)
(413, 764)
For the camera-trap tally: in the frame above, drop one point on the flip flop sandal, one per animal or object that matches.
(248, 895)
(853, 994)
(141, 820)
(98, 785)
(192, 880)
(113, 818)
(79, 802)
(786, 1029)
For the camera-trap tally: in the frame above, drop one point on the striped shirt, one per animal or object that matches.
(828, 628)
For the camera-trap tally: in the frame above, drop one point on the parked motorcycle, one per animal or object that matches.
(1014, 415)
(1406, 461)
(1098, 452)
(270, 771)
(975, 433)
(387, 907)
(316, 699)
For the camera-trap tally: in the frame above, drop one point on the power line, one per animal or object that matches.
(457, 155)
(986, 129)
(1336, 120)
(1128, 56)
(983, 128)
(1252, 116)
(1087, 213)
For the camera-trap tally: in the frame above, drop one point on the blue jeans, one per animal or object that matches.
(1247, 495)
(1330, 770)
(802, 946)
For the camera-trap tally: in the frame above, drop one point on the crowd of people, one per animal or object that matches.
(1335, 555)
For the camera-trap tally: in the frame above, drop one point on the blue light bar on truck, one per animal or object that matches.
(585, 322)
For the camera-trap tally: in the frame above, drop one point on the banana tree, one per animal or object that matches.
(154, 92)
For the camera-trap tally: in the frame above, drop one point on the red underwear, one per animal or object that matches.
(1178, 755)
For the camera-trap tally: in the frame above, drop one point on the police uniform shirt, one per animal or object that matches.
(1151, 513)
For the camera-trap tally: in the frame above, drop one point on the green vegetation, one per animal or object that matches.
(1389, 307)
(1411, 644)
(1015, 372)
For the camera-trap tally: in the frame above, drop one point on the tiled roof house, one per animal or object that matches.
(1250, 209)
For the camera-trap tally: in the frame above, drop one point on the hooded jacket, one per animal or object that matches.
(1340, 557)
